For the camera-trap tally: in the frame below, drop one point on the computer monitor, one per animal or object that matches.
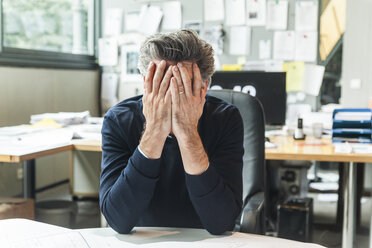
(268, 87)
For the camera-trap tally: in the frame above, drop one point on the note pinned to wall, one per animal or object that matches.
(235, 12)
(306, 18)
(284, 45)
(150, 18)
(172, 19)
(277, 15)
(132, 21)
(264, 49)
(306, 46)
(256, 12)
(213, 10)
(240, 39)
(313, 79)
(113, 22)
(107, 52)
(295, 74)
(109, 90)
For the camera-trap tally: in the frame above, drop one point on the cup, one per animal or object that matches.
(317, 130)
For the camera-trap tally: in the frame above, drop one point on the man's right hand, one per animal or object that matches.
(157, 107)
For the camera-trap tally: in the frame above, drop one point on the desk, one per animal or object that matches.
(21, 231)
(288, 149)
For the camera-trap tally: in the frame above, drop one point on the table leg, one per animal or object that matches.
(348, 229)
(29, 179)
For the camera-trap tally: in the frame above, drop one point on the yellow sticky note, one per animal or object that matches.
(46, 123)
(232, 67)
(295, 74)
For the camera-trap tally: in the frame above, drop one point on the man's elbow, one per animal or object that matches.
(221, 228)
(115, 222)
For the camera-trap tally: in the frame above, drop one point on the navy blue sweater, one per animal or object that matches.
(136, 191)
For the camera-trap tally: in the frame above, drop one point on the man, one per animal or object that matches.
(173, 157)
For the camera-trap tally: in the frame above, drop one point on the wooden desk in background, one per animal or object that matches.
(287, 149)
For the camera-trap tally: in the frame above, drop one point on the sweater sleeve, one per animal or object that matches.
(127, 180)
(216, 194)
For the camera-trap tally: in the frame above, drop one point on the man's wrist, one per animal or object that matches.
(152, 143)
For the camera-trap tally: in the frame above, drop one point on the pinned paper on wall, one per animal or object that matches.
(306, 18)
(313, 79)
(107, 52)
(213, 10)
(264, 49)
(277, 15)
(256, 12)
(109, 90)
(113, 21)
(240, 39)
(214, 36)
(294, 77)
(284, 45)
(194, 25)
(235, 12)
(132, 21)
(150, 18)
(306, 46)
(172, 18)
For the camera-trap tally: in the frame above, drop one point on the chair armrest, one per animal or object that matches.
(252, 217)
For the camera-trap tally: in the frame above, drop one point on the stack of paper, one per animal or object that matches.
(63, 118)
(353, 116)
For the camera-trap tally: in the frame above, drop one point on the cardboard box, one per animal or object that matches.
(17, 208)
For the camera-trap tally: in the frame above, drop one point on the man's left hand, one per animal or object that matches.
(188, 99)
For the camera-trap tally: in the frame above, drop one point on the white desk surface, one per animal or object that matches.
(30, 234)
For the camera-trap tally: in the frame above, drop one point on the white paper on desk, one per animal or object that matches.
(107, 52)
(213, 10)
(172, 18)
(306, 16)
(113, 21)
(264, 49)
(284, 45)
(109, 88)
(313, 79)
(277, 15)
(256, 12)
(240, 39)
(150, 18)
(306, 46)
(235, 12)
(132, 20)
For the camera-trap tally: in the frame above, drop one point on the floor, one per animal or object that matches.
(324, 216)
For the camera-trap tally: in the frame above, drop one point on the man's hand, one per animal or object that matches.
(188, 99)
(156, 109)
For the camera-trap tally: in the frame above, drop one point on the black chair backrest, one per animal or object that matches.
(254, 139)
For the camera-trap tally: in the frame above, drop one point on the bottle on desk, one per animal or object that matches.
(299, 132)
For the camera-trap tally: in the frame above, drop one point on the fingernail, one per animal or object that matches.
(151, 63)
(162, 62)
(175, 68)
(179, 64)
(195, 65)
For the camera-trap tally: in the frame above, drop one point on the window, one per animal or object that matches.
(56, 33)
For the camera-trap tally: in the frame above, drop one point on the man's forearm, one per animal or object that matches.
(194, 157)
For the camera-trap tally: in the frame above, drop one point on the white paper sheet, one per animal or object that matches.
(235, 12)
(150, 18)
(113, 21)
(264, 49)
(277, 15)
(306, 16)
(213, 10)
(240, 39)
(109, 88)
(107, 52)
(256, 12)
(306, 46)
(132, 21)
(172, 18)
(313, 78)
(194, 25)
(284, 45)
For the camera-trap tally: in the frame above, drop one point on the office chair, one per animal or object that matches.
(252, 219)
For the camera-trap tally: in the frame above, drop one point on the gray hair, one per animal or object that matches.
(182, 45)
